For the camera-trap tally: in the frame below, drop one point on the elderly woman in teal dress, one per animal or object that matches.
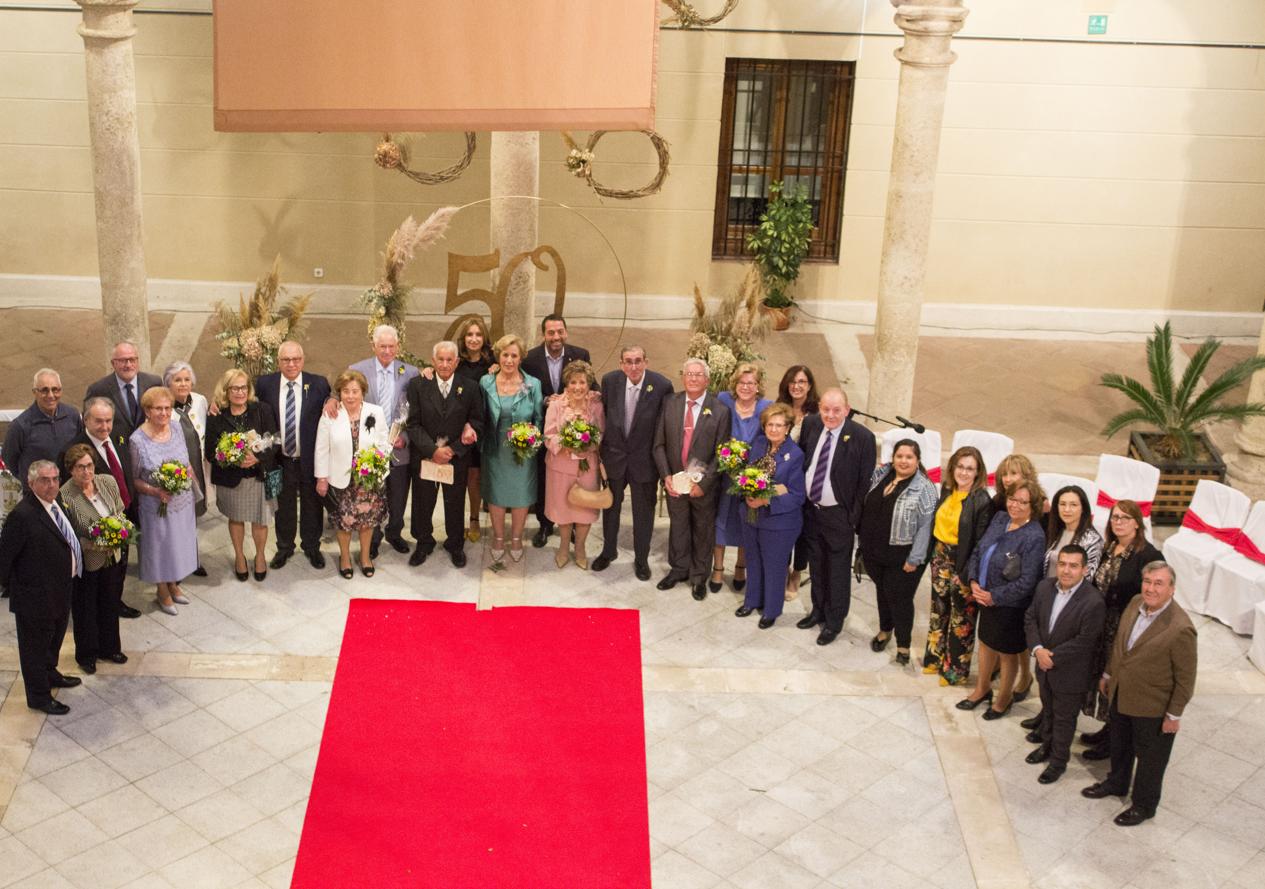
(511, 397)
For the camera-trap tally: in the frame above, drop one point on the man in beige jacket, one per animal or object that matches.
(1149, 680)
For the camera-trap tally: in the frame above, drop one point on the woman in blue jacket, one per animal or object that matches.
(768, 540)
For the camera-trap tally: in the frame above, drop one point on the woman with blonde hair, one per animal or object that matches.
(562, 466)
(1013, 469)
(510, 397)
(746, 402)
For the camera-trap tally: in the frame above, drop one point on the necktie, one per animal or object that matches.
(689, 434)
(443, 388)
(76, 554)
(116, 470)
(290, 436)
(818, 486)
(630, 407)
(385, 393)
(132, 408)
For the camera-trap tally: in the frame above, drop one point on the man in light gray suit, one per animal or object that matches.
(691, 425)
(388, 384)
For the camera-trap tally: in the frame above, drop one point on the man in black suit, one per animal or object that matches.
(691, 425)
(1064, 625)
(296, 399)
(445, 413)
(839, 459)
(545, 362)
(125, 387)
(39, 560)
(633, 397)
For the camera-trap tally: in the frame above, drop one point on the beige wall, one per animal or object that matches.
(1070, 174)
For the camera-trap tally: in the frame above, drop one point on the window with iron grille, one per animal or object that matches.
(787, 120)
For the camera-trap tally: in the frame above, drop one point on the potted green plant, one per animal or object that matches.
(1176, 410)
(780, 244)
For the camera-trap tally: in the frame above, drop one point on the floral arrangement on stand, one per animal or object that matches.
(728, 335)
(253, 332)
(387, 301)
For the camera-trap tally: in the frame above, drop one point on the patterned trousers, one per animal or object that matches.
(951, 634)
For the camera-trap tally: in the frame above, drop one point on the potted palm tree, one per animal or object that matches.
(1176, 410)
(780, 244)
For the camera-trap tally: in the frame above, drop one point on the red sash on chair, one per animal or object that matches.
(934, 474)
(1106, 500)
(1244, 546)
(1225, 535)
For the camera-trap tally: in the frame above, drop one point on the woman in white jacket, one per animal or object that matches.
(354, 507)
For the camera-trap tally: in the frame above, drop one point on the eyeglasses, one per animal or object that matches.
(48, 390)
(125, 360)
(82, 466)
(1120, 517)
(693, 373)
(238, 388)
(293, 360)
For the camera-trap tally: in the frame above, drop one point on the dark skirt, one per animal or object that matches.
(1001, 629)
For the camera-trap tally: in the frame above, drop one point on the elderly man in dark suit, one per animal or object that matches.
(691, 426)
(125, 387)
(545, 362)
(1150, 679)
(296, 398)
(445, 414)
(1063, 626)
(42, 431)
(39, 559)
(633, 397)
(839, 459)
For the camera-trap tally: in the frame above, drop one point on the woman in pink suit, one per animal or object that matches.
(562, 465)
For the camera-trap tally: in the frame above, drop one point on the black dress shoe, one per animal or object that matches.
(398, 544)
(199, 571)
(700, 591)
(1041, 754)
(279, 560)
(1095, 738)
(119, 658)
(418, 557)
(641, 570)
(128, 612)
(808, 621)
(668, 582)
(1093, 754)
(743, 611)
(601, 563)
(52, 708)
(458, 558)
(88, 668)
(542, 536)
(1032, 721)
(1100, 790)
(316, 559)
(968, 703)
(990, 714)
(825, 637)
(767, 622)
(1051, 774)
(1034, 736)
(64, 682)
(1133, 816)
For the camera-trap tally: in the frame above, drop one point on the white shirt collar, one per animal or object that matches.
(1151, 615)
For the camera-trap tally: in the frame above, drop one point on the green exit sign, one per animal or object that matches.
(1097, 24)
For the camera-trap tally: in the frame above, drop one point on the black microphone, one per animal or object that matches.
(910, 424)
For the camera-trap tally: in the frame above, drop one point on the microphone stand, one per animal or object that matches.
(899, 422)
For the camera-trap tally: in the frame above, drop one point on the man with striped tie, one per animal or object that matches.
(296, 399)
(39, 559)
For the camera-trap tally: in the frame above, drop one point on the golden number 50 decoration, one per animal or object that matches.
(489, 262)
(580, 163)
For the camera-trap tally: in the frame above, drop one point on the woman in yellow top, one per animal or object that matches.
(962, 517)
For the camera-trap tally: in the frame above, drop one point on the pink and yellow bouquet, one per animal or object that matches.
(112, 532)
(370, 468)
(731, 455)
(173, 477)
(524, 439)
(752, 482)
(580, 436)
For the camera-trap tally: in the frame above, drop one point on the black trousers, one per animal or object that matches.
(1140, 738)
(830, 539)
(94, 610)
(691, 535)
(1059, 711)
(298, 509)
(397, 496)
(422, 517)
(39, 643)
(894, 591)
(644, 495)
(541, 472)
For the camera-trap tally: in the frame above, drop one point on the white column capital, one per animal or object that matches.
(929, 27)
(107, 20)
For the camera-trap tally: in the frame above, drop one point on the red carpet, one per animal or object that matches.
(481, 750)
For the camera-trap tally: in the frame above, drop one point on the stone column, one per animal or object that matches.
(107, 32)
(515, 223)
(925, 58)
(1246, 469)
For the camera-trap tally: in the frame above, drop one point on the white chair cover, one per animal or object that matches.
(1121, 478)
(1238, 583)
(1051, 482)
(993, 445)
(1192, 552)
(1257, 650)
(929, 441)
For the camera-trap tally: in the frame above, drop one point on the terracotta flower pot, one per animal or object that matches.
(780, 318)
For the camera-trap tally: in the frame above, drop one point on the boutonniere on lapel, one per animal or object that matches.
(399, 371)
(785, 457)
(305, 387)
(120, 439)
(459, 390)
(649, 388)
(707, 412)
(846, 437)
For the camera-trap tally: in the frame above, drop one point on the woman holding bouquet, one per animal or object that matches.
(769, 537)
(168, 493)
(341, 442)
(240, 447)
(746, 404)
(509, 478)
(572, 458)
(94, 600)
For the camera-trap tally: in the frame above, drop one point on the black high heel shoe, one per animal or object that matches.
(367, 571)
(241, 575)
(260, 575)
(347, 573)
(739, 582)
(991, 714)
(968, 704)
(1020, 695)
(878, 644)
(715, 585)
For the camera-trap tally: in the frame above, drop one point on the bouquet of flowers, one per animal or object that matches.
(370, 468)
(579, 435)
(752, 481)
(232, 448)
(731, 455)
(112, 532)
(173, 477)
(524, 439)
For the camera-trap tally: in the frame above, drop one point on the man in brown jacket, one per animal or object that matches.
(1149, 680)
